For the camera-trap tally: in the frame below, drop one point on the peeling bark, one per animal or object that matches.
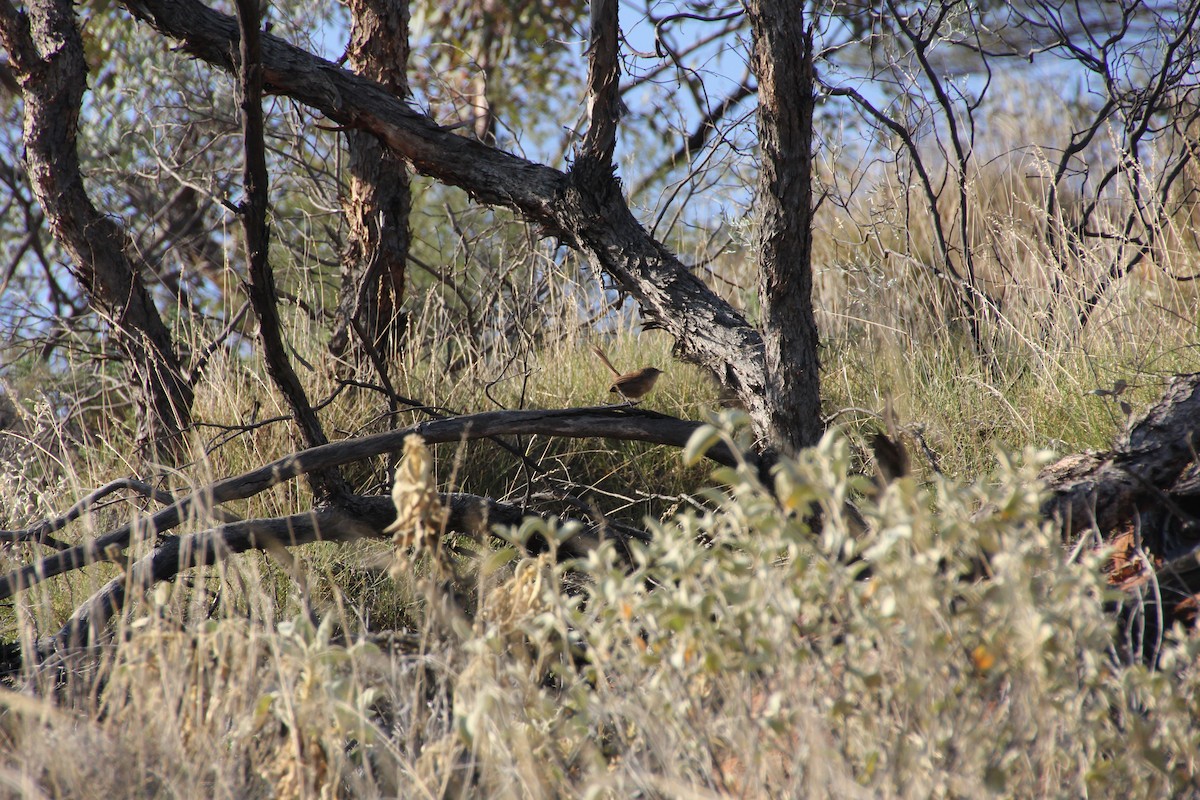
(604, 85)
(1150, 477)
(1142, 497)
(378, 198)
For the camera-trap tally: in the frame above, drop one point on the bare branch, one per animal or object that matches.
(327, 485)
(179, 553)
(615, 422)
(468, 514)
(42, 530)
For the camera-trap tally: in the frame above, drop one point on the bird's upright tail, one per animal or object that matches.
(596, 349)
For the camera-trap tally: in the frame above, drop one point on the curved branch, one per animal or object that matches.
(41, 532)
(467, 514)
(179, 553)
(701, 133)
(52, 88)
(615, 422)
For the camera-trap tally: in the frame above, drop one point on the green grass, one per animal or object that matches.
(964, 411)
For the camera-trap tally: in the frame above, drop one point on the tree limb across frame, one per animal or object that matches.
(584, 210)
(466, 514)
(1150, 479)
(596, 422)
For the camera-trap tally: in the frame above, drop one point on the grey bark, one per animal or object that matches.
(467, 514)
(604, 98)
(1149, 478)
(783, 63)
(602, 422)
(590, 216)
(1143, 495)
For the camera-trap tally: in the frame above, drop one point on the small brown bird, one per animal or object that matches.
(633, 386)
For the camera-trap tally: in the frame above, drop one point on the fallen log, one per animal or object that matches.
(1142, 499)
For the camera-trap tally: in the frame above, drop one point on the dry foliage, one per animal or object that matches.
(745, 653)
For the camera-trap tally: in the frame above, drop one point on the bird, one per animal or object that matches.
(633, 386)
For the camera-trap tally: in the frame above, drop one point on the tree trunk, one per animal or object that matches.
(783, 63)
(46, 53)
(378, 200)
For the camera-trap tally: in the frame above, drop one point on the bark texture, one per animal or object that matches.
(327, 485)
(783, 64)
(467, 514)
(378, 198)
(1150, 478)
(46, 53)
(604, 85)
(1142, 498)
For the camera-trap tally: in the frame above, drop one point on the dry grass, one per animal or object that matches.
(743, 656)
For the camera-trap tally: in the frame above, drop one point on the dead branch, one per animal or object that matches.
(1144, 497)
(618, 422)
(1153, 459)
(467, 514)
(327, 484)
(41, 532)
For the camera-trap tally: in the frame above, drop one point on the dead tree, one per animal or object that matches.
(1143, 495)
(355, 516)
